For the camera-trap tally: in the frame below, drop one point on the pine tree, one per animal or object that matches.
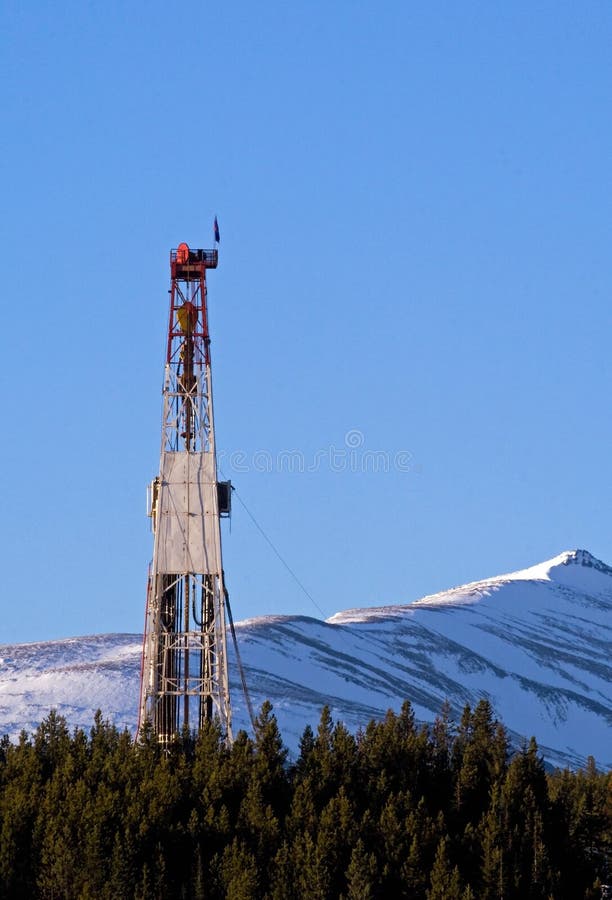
(311, 875)
(494, 869)
(423, 835)
(259, 828)
(393, 840)
(336, 835)
(362, 878)
(442, 737)
(306, 746)
(270, 760)
(122, 878)
(479, 761)
(283, 877)
(323, 771)
(344, 755)
(51, 741)
(238, 873)
(444, 881)
(525, 805)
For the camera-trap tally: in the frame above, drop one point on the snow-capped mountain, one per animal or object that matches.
(537, 643)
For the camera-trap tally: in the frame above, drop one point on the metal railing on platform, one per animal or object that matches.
(187, 258)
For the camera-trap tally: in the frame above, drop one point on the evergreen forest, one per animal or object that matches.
(430, 812)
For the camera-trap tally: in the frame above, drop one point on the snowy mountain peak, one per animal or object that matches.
(582, 558)
(568, 568)
(579, 558)
(572, 567)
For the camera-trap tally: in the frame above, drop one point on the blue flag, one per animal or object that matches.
(217, 235)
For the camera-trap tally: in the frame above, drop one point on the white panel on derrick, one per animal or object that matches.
(187, 540)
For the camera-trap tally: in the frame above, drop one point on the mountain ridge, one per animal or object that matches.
(535, 642)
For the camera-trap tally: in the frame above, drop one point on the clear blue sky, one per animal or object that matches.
(415, 208)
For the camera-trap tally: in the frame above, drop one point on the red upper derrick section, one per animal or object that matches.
(188, 337)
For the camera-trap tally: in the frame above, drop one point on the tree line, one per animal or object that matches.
(438, 812)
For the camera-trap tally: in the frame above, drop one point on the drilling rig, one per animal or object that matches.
(184, 678)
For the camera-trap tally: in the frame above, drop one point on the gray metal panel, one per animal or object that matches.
(187, 515)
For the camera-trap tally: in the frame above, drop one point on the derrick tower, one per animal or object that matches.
(184, 679)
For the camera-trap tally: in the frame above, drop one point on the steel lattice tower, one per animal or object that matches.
(184, 679)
